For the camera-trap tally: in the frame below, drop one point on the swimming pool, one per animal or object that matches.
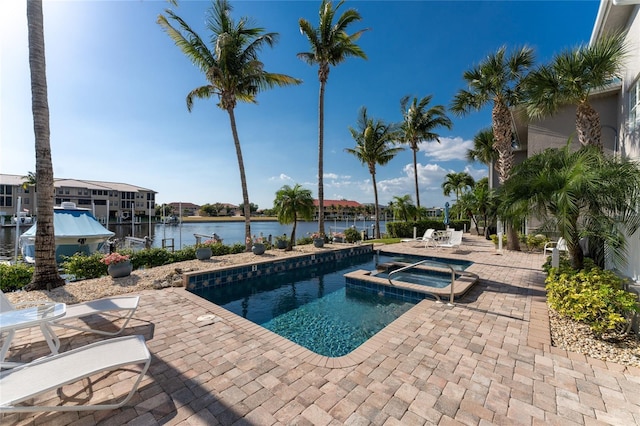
(312, 306)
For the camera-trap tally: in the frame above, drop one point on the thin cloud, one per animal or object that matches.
(281, 177)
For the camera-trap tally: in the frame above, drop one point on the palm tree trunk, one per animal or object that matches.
(293, 232)
(45, 275)
(243, 181)
(320, 159)
(588, 125)
(375, 207)
(415, 177)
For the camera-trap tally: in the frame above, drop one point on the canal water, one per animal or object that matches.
(184, 235)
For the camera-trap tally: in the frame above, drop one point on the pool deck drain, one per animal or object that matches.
(487, 360)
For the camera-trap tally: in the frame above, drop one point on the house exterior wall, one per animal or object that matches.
(555, 131)
(630, 134)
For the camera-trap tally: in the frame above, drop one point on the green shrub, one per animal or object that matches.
(14, 277)
(83, 267)
(593, 296)
(237, 248)
(352, 235)
(304, 241)
(533, 242)
(150, 258)
(494, 238)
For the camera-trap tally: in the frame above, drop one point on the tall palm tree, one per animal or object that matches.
(232, 69)
(45, 274)
(419, 122)
(497, 80)
(571, 77)
(290, 205)
(579, 194)
(374, 139)
(330, 45)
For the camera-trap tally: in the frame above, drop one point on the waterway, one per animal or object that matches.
(184, 234)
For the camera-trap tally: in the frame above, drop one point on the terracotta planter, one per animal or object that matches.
(119, 270)
(318, 242)
(203, 253)
(258, 248)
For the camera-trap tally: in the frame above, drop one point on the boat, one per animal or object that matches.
(22, 219)
(76, 231)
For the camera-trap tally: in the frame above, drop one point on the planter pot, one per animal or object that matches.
(318, 242)
(338, 240)
(119, 270)
(281, 244)
(258, 248)
(203, 253)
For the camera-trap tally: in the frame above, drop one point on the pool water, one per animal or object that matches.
(311, 306)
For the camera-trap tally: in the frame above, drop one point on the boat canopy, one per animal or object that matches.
(73, 223)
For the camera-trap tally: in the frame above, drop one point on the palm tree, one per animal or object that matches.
(291, 204)
(418, 125)
(483, 150)
(45, 274)
(579, 194)
(403, 207)
(373, 146)
(232, 69)
(330, 45)
(498, 79)
(571, 78)
(457, 183)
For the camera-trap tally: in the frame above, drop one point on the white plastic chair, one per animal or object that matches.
(561, 245)
(117, 307)
(45, 374)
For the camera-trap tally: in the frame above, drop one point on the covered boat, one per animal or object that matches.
(76, 231)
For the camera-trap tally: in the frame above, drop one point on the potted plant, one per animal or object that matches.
(258, 245)
(204, 252)
(118, 265)
(318, 239)
(281, 241)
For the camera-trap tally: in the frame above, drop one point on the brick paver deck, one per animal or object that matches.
(486, 360)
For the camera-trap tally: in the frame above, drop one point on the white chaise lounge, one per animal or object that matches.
(46, 374)
(117, 307)
(427, 238)
(455, 240)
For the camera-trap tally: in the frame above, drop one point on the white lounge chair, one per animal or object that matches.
(427, 238)
(455, 240)
(561, 245)
(117, 307)
(45, 374)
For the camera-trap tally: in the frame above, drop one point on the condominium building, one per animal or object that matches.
(116, 201)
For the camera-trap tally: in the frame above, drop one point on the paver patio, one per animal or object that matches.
(486, 360)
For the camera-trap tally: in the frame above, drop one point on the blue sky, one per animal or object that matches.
(117, 88)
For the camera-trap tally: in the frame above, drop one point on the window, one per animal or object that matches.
(634, 105)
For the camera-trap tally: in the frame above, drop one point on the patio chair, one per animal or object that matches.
(428, 238)
(45, 374)
(561, 245)
(455, 240)
(117, 307)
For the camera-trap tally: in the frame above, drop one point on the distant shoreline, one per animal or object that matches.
(203, 219)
